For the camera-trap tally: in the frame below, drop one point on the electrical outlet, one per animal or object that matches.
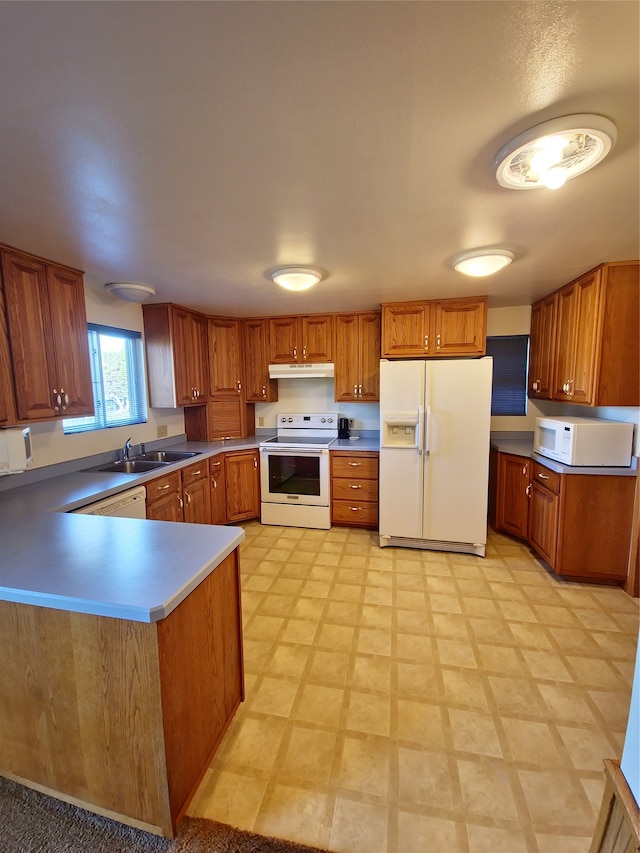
(161, 431)
(351, 423)
(260, 421)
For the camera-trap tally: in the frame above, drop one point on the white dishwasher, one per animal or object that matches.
(129, 504)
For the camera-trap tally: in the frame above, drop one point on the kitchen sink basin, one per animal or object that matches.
(165, 455)
(132, 466)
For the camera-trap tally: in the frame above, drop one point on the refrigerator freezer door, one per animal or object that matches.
(401, 469)
(458, 396)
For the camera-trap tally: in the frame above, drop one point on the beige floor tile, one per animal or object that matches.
(288, 660)
(491, 631)
(591, 672)
(474, 732)
(515, 695)
(566, 703)
(554, 800)
(532, 742)
(411, 647)
(425, 779)
(450, 625)
(486, 790)
(235, 799)
(296, 814)
(273, 696)
(563, 843)
(529, 636)
(420, 723)
(501, 660)
(464, 687)
(364, 766)
(479, 607)
(418, 680)
(263, 627)
(299, 631)
(320, 705)
(418, 833)
(256, 744)
(368, 713)
(613, 707)
(335, 637)
(372, 672)
(490, 839)
(309, 755)
(329, 667)
(546, 665)
(587, 748)
(358, 827)
(455, 653)
(342, 612)
(372, 641)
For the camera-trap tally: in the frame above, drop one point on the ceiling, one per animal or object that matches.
(195, 145)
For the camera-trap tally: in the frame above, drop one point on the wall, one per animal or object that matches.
(51, 445)
(315, 395)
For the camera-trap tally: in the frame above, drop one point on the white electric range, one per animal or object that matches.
(294, 471)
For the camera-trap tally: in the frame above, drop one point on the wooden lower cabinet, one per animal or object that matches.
(579, 524)
(196, 496)
(126, 715)
(242, 485)
(164, 498)
(354, 488)
(218, 490)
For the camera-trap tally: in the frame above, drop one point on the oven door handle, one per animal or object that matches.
(284, 452)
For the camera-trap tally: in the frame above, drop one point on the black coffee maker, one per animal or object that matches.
(343, 428)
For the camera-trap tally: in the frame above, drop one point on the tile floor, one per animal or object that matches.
(402, 701)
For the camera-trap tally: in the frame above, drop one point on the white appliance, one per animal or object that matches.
(294, 471)
(15, 450)
(301, 371)
(129, 504)
(434, 453)
(584, 441)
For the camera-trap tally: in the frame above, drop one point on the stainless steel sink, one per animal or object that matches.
(131, 466)
(166, 455)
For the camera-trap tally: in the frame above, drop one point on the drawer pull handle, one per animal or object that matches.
(355, 464)
(353, 486)
(543, 476)
(162, 488)
(196, 473)
(524, 470)
(528, 490)
(355, 508)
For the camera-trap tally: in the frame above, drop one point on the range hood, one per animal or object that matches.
(301, 371)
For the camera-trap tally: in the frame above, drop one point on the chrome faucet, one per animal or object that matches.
(127, 448)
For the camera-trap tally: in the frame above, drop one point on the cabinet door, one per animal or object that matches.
(242, 485)
(218, 496)
(189, 356)
(542, 348)
(405, 330)
(369, 357)
(577, 335)
(25, 286)
(167, 508)
(347, 358)
(283, 340)
(258, 387)
(7, 398)
(70, 341)
(543, 522)
(512, 511)
(460, 327)
(316, 335)
(196, 496)
(225, 357)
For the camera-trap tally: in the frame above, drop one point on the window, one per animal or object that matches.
(510, 358)
(117, 375)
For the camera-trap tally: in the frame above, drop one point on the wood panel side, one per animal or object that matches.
(620, 342)
(80, 710)
(200, 650)
(158, 343)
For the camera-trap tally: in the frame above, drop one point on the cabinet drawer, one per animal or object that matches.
(163, 485)
(355, 465)
(355, 489)
(546, 477)
(198, 471)
(355, 513)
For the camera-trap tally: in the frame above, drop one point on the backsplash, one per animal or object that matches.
(315, 395)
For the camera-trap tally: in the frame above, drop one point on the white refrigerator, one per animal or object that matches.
(434, 453)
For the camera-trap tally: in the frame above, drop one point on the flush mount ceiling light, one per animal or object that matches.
(296, 278)
(555, 151)
(130, 291)
(479, 262)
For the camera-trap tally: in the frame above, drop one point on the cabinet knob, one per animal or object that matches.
(524, 470)
(355, 390)
(304, 352)
(438, 342)
(426, 342)
(264, 390)
(239, 385)
(295, 352)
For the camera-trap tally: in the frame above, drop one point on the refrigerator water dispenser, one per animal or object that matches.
(399, 429)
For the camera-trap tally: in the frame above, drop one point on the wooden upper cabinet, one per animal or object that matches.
(542, 348)
(447, 327)
(590, 332)
(257, 385)
(225, 358)
(294, 340)
(177, 355)
(47, 326)
(7, 395)
(357, 357)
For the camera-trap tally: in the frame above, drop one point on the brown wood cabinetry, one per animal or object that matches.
(218, 490)
(357, 357)
(196, 495)
(542, 347)
(7, 395)
(225, 358)
(294, 340)
(177, 355)
(447, 327)
(258, 387)
(242, 484)
(126, 715)
(354, 488)
(585, 339)
(164, 498)
(48, 342)
(580, 524)
(219, 420)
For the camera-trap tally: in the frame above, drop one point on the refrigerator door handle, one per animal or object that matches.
(420, 431)
(427, 430)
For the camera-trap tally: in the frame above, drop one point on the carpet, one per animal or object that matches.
(31, 822)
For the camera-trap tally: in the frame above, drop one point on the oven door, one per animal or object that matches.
(294, 476)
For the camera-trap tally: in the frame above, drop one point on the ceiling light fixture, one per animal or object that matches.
(555, 151)
(296, 278)
(130, 291)
(479, 262)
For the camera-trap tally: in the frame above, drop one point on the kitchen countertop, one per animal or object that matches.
(524, 447)
(127, 568)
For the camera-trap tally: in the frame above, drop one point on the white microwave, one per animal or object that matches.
(584, 441)
(15, 450)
